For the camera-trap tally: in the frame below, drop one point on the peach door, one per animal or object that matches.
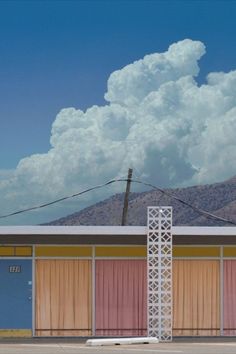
(63, 298)
(196, 298)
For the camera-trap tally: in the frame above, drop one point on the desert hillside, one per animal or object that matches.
(218, 198)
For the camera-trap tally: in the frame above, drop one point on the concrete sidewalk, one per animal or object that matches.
(72, 346)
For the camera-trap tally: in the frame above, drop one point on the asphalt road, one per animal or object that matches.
(80, 348)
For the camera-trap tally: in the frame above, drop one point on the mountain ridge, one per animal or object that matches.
(218, 198)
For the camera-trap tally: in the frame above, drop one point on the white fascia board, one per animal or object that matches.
(114, 230)
(73, 230)
(204, 230)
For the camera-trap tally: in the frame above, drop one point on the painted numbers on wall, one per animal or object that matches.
(14, 269)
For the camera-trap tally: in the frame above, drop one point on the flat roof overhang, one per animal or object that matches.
(127, 235)
(113, 235)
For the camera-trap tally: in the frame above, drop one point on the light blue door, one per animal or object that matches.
(15, 294)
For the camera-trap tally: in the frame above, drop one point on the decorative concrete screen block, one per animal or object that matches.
(159, 258)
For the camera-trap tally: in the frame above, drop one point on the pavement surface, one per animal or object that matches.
(67, 347)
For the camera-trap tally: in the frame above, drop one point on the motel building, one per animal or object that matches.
(114, 281)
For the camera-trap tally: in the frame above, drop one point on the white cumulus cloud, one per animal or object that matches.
(157, 120)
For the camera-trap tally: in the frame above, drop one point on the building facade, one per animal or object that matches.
(93, 281)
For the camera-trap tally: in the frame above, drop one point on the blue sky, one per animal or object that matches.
(59, 54)
(56, 54)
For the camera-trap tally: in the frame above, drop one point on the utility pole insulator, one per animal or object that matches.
(126, 200)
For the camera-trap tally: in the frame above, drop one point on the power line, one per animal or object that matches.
(195, 208)
(57, 200)
(198, 210)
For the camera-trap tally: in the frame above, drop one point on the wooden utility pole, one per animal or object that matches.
(126, 200)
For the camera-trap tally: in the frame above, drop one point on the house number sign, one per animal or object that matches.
(14, 269)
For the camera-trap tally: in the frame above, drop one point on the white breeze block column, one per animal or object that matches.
(159, 269)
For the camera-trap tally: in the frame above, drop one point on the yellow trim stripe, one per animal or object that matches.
(23, 251)
(57, 251)
(15, 333)
(6, 251)
(229, 252)
(121, 251)
(196, 251)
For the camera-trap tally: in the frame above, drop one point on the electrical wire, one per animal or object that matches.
(57, 200)
(198, 210)
(115, 180)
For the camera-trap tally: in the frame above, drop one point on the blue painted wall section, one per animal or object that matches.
(15, 294)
